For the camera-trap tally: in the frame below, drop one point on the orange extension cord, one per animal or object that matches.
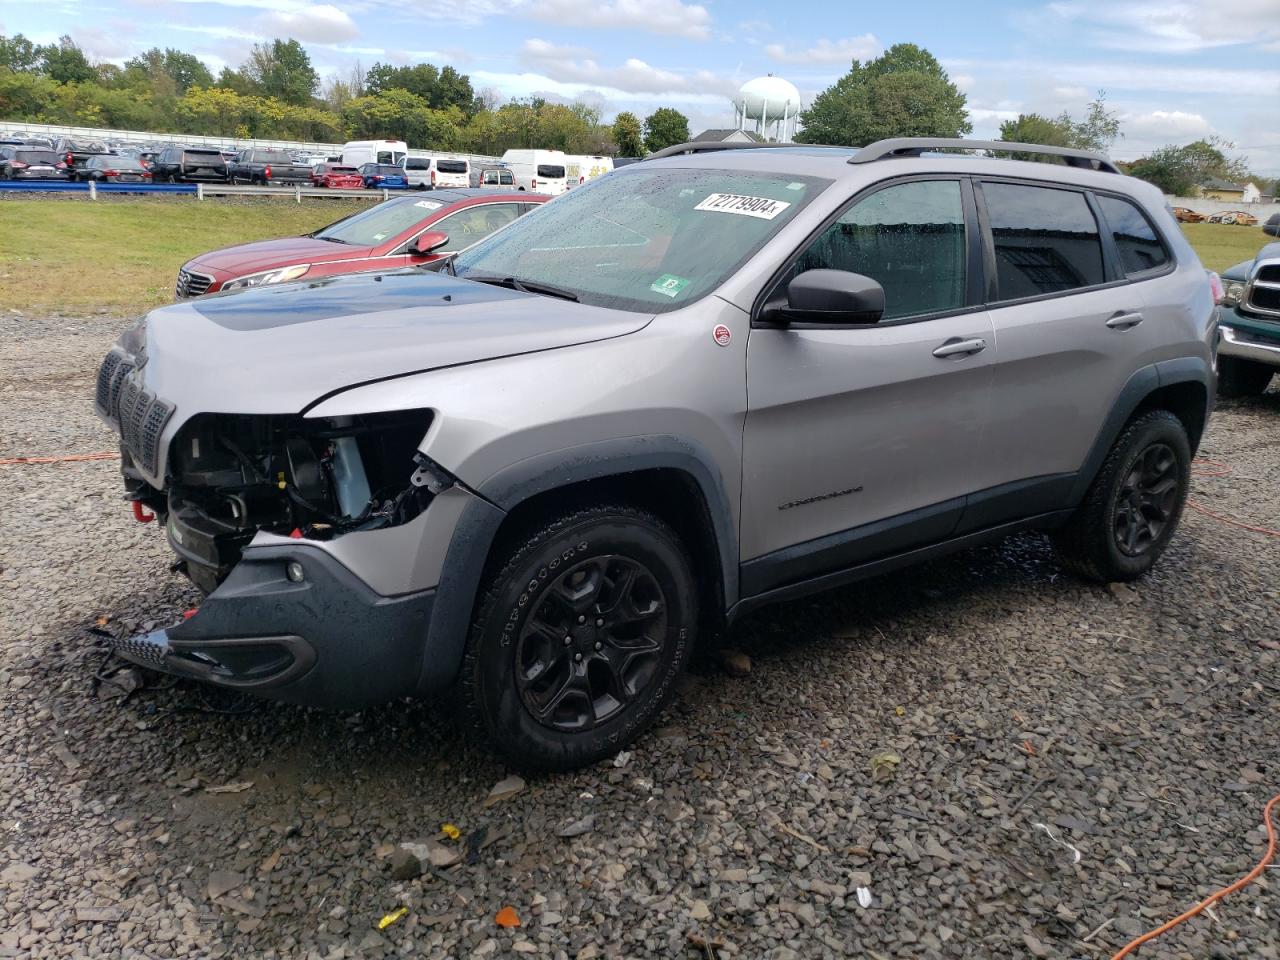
(1213, 898)
(68, 458)
(1217, 469)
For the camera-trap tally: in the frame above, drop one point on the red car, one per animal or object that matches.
(400, 232)
(337, 176)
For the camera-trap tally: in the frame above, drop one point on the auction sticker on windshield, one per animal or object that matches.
(429, 204)
(668, 285)
(762, 208)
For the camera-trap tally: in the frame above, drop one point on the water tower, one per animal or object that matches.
(772, 103)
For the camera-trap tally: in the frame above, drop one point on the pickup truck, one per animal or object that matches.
(76, 153)
(1249, 321)
(267, 167)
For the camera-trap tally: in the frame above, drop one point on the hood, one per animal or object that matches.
(279, 349)
(265, 254)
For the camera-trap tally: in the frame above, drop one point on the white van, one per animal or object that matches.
(541, 171)
(578, 170)
(359, 152)
(428, 173)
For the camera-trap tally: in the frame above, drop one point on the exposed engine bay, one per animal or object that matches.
(231, 476)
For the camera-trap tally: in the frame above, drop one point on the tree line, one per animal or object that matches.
(277, 94)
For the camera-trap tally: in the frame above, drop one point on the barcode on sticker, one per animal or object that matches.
(762, 208)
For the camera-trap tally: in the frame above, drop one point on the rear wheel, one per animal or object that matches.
(1134, 504)
(1243, 378)
(579, 637)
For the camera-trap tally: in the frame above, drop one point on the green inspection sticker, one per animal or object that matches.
(669, 285)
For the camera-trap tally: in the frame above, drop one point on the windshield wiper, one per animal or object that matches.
(525, 286)
(331, 239)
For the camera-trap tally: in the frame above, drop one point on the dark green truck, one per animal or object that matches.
(1249, 353)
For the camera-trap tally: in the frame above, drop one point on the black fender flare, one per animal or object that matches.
(1140, 385)
(477, 527)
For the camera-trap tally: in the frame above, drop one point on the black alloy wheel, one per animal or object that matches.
(1148, 499)
(592, 644)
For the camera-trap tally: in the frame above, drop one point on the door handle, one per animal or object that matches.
(1124, 321)
(956, 348)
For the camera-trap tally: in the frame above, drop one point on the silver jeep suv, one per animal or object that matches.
(711, 380)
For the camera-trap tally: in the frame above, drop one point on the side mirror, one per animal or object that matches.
(830, 296)
(429, 242)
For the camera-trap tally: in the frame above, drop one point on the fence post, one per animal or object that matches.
(385, 195)
(93, 190)
(297, 192)
(199, 191)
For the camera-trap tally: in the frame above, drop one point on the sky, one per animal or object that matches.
(1174, 70)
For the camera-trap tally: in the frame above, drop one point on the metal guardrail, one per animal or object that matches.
(200, 190)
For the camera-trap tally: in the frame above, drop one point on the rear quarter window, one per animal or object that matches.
(1140, 246)
(550, 172)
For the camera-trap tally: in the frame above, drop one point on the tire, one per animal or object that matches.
(617, 559)
(1243, 378)
(1120, 530)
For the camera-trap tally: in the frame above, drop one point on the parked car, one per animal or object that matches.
(18, 162)
(1187, 215)
(381, 237)
(384, 176)
(545, 475)
(541, 170)
(266, 167)
(190, 165)
(492, 178)
(429, 173)
(114, 169)
(337, 176)
(76, 152)
(1249, 354)
(1238, 217)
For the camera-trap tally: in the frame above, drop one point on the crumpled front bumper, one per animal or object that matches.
(328, 640)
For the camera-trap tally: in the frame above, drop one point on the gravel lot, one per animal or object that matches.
(1073, 764)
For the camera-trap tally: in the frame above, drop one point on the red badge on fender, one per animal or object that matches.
(722, 334)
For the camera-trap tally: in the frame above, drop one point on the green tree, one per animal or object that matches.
(1099, 129)
(1034, 128)
(902, 93)
(440, 88)
(282, 69)
(64, 62)
(1182, 170)
(627, 134)
(18, 53)
(182, 70)
(665, 127)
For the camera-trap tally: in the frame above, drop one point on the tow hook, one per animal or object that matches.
(140, 514)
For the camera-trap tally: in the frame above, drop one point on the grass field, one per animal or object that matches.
(122, 255)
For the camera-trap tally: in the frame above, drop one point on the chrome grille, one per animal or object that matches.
(1262, 295)
(191, 284)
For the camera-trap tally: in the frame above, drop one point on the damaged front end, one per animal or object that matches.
(232, 476)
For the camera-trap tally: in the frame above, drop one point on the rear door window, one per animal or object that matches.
(1046, 240)
(548, 171)
(1136, 239)
(451, 166)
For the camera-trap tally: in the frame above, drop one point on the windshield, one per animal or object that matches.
(651, 241)
(333, 169)
(386, 170)
(451, 166)
(380, 223)
(121, 163)
(547, 171)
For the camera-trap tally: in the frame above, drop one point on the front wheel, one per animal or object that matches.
(579, 637)
(1243, 378)
(1133, 506)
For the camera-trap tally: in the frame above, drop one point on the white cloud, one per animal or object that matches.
(668, 17)
(964, 82)
(828, 51)
(1168, 125)
(574, 65)
(323, 23)
(1162, 26)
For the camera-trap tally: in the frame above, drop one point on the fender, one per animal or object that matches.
(1137, 388)
(501, 493)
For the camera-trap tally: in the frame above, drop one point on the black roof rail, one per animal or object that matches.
(915, 146)
(709, 146)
